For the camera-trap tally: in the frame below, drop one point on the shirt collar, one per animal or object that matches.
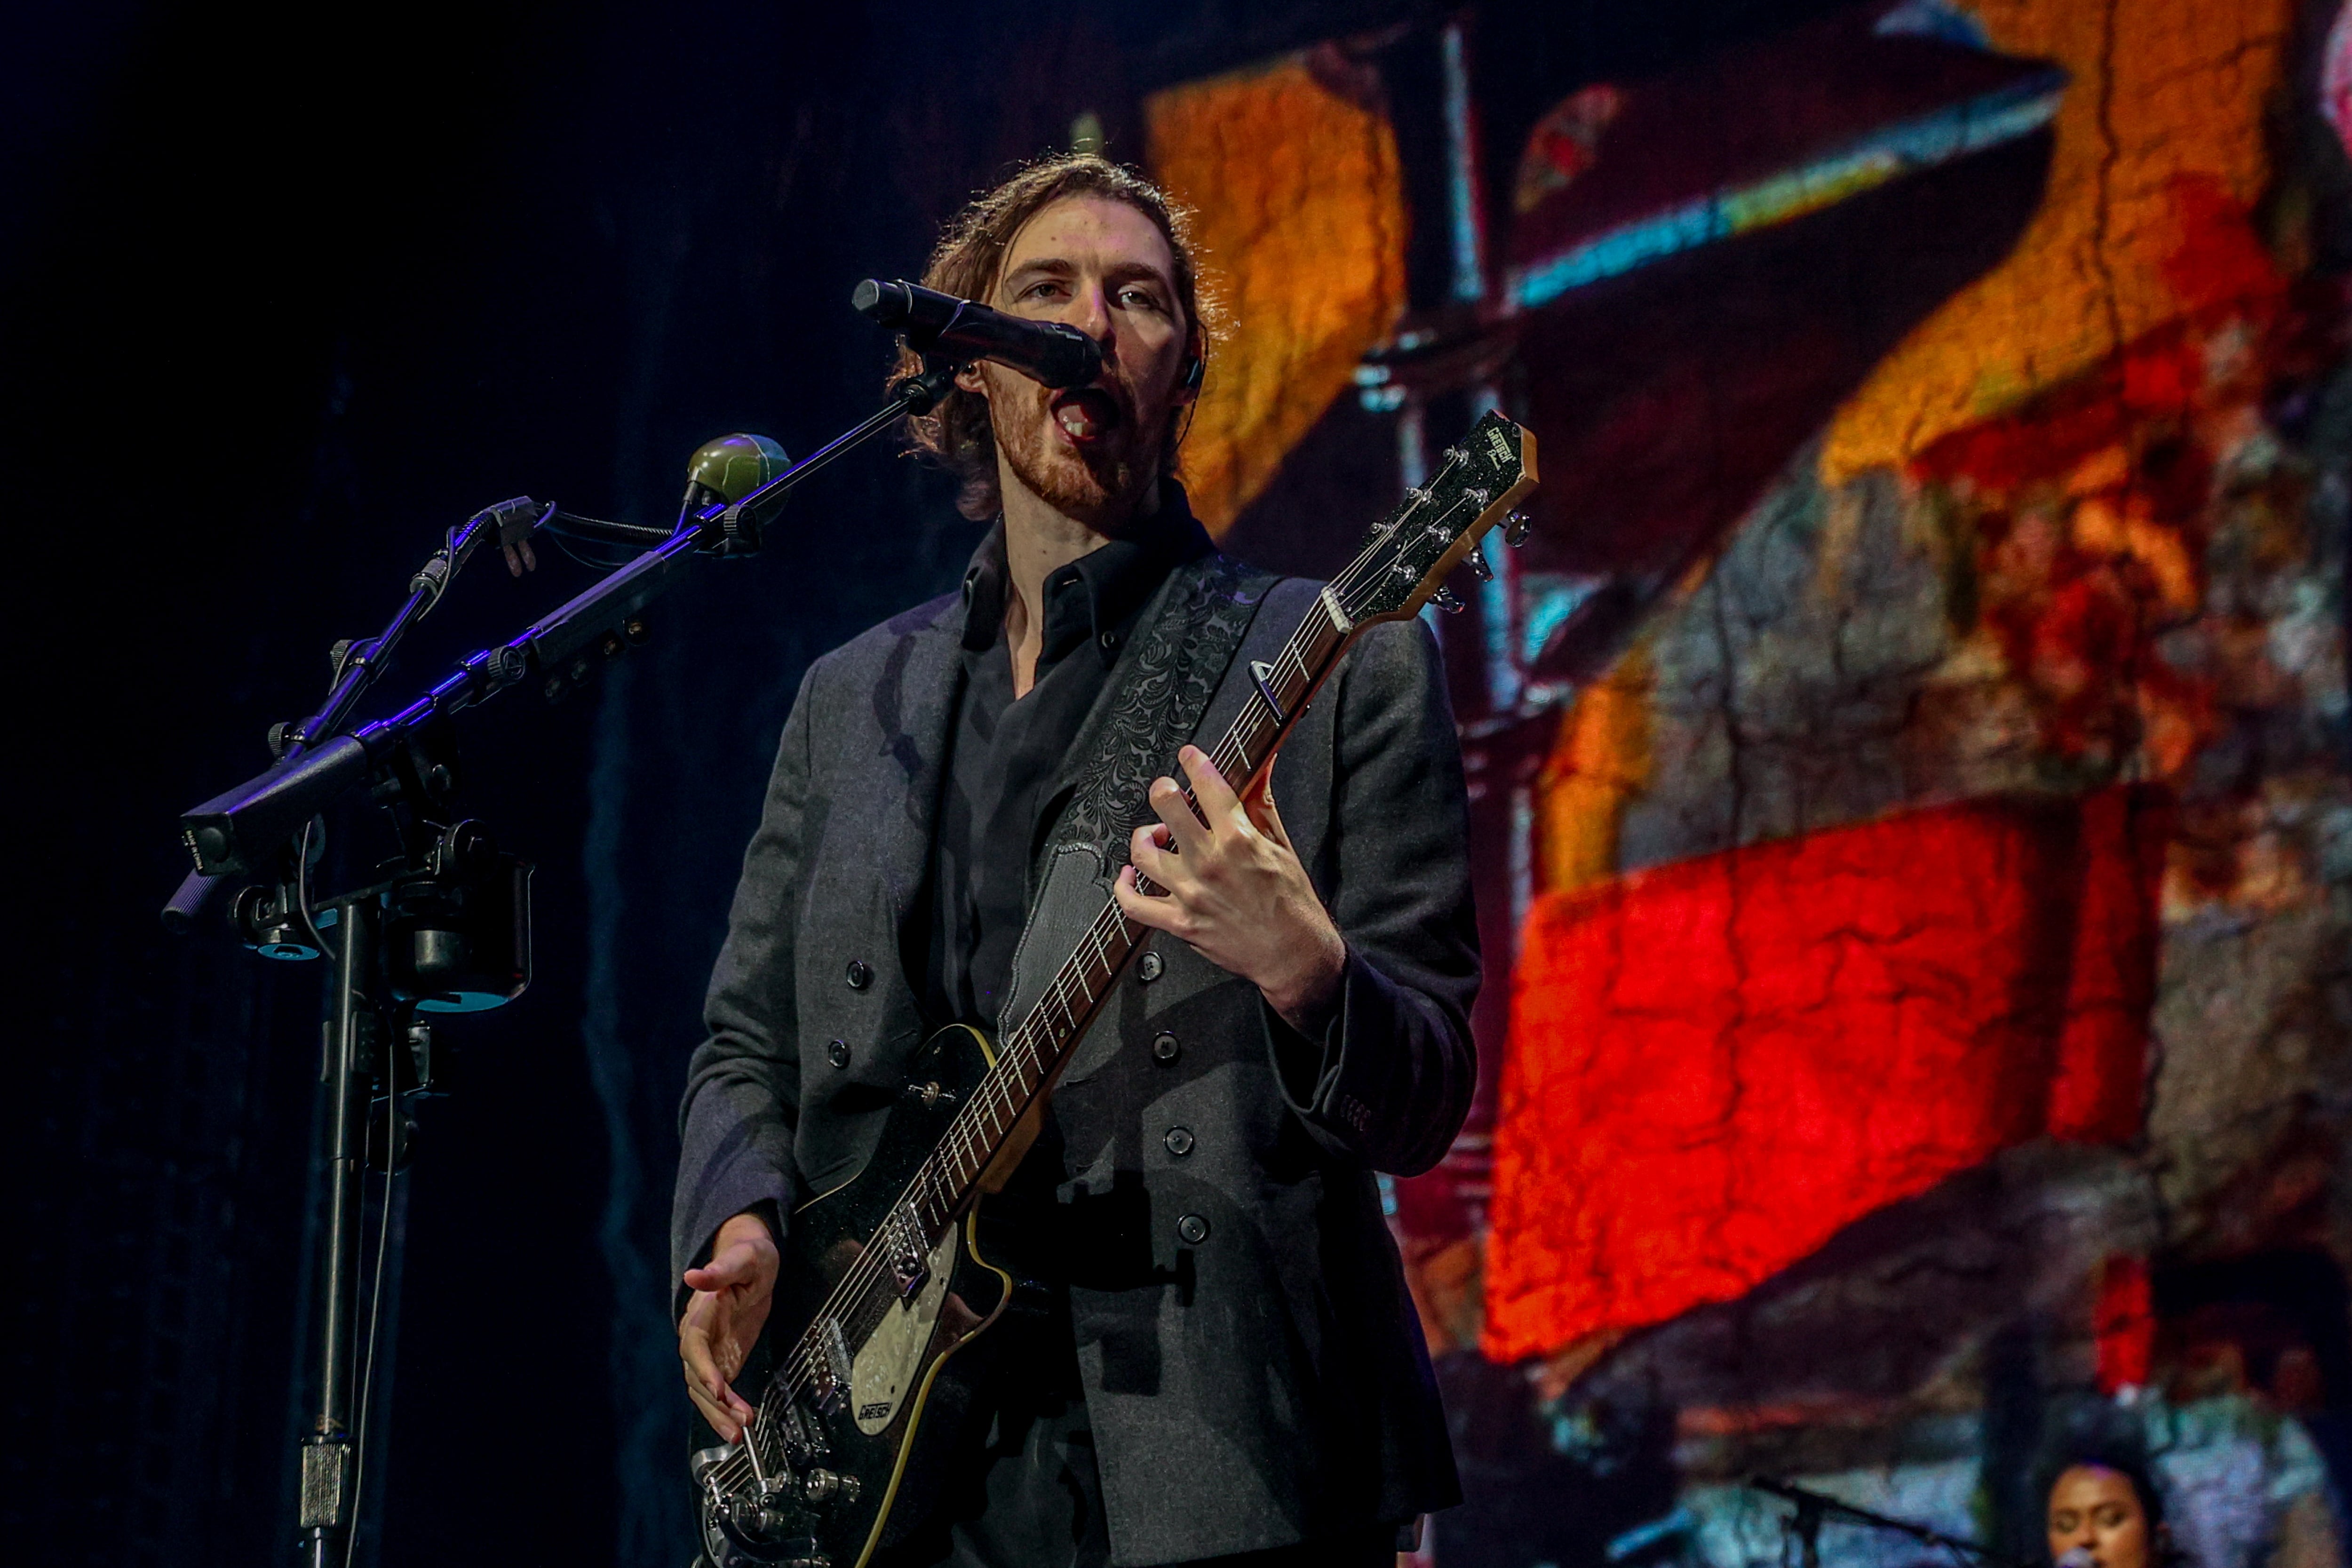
(1094, 595)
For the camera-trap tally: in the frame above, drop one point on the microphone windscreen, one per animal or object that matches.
(732, 467)
(884, 304)
(903, 307)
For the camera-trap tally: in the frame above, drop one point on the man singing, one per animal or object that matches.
(1213, 1358)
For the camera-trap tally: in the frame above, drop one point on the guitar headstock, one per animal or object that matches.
(1407, 555)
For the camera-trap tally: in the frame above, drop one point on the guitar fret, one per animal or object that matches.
(1034, 1047)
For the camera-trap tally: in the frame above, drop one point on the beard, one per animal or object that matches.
(1097, 485)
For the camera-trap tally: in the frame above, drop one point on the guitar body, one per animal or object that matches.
(832, 1466)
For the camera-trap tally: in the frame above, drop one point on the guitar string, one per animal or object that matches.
(999, 1106)
(855, 1291)
(852, 1297)
(999, 1102)
(1000, 1110)
(1230, 753)
(1023, 1043)
(996, 1096)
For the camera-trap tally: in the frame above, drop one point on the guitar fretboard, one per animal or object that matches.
(1031, 1053)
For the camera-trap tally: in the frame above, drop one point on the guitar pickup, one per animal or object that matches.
(911, 1262)
(833, 1371)
(804, 1440)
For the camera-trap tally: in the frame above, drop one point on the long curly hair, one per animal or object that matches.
(967, 263)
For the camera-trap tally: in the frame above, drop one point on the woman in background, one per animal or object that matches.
(2104, 1510)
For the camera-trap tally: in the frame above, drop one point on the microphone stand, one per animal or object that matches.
(449, 932)
(1813, 1508)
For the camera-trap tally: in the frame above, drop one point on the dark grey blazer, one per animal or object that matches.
(1266, 1383)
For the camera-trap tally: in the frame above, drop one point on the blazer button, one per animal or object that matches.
(1178, 1141)
(860, 974)
(838, 1053)
(1149, 966)
(1164, 1049)
(1192, 1230)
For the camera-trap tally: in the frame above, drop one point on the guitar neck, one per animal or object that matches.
(1032, 1054)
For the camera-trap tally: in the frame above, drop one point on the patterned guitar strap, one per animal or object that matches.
(1159, 692)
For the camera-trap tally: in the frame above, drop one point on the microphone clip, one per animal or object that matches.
(738, 532)
(919, 394)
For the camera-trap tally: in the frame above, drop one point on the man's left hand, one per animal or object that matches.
(1234, 891)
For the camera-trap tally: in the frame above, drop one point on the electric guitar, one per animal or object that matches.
(882, 1276)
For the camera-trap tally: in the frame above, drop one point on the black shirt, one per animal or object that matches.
(997, 802)
(998, 805)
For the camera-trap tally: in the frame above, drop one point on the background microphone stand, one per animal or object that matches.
(1812, 1508)
(448, 931)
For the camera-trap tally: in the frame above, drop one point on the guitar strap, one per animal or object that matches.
(1158, 695)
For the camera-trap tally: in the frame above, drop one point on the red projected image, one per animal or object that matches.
(1908, 758)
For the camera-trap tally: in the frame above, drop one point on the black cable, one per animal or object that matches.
(302, 891)
(375, 1299)
(566, 547)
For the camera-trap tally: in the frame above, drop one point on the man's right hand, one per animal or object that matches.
(731, 1296)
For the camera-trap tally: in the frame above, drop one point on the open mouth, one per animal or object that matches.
(1086, 414)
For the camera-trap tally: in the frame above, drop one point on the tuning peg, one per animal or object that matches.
(1476, 561)
(1444, 600)
(1516, 529)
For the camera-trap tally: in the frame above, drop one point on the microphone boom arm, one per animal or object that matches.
(1816, 1506)
(237, 831)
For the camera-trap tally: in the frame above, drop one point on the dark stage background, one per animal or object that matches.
(286, 295)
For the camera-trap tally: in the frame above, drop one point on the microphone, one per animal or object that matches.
(1048, 353)
(722, 470)
(2076, 1557)
(730, 467)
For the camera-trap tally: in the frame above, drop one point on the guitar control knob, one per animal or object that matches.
(829, 1486)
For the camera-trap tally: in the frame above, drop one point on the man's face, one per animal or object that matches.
(1091, 452)
(2094, 1508)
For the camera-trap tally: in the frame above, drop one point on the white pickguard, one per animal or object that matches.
(883, 1374)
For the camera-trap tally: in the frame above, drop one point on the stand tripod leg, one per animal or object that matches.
(328, 1504)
